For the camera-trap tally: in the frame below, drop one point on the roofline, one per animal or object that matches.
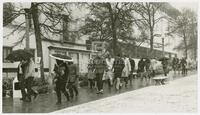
(71, 49)
(56, 41)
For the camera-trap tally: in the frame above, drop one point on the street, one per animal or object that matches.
(178, 96)
(47, 102)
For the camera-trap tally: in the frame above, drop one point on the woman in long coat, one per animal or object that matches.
(126, 70)
(109, 63)
(91, 74)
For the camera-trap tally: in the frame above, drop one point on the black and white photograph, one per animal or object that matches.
(100, 57)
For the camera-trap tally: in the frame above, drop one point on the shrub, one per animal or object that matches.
(7, 86)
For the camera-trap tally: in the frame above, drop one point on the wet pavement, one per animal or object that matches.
(46, 103)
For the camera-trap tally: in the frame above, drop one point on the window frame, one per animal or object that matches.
(7, 48)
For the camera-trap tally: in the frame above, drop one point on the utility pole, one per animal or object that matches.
(163, 39)
(35, 17)
(163, 46)
(28, 22)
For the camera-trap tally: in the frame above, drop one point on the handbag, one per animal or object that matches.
(17, 86)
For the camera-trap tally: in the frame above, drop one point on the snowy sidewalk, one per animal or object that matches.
(178, 96)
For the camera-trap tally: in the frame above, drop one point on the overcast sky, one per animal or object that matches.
(180, 5)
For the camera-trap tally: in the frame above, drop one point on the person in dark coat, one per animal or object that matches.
(174, 64)
(132, 62)
(141, 67)
(147, 65)
(165, 66)
(20, 77)
(183, 66)
(73, 79)
(118, 67)
(61, 71)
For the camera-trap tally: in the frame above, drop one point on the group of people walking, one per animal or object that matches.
(181, 65)
(66, 78)
(114, 71)
(119, 70)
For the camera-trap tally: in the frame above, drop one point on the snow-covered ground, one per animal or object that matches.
(177, 96)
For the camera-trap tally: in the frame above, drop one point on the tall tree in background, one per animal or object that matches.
(147, 13)
(186, 29)
(35, 16)
(110, 22)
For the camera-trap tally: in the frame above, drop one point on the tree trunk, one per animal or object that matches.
(114, 31)
(114, 39)
(194, 28)
(151, 42)
(185, 43)
(34, 11)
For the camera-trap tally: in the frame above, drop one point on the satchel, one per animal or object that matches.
(17, 86)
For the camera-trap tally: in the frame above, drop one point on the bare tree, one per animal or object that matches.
(186, 29)
(53, 15)
(147, 13)
(110, 22)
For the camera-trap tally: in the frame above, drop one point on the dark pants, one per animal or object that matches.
(184, 70)
(130, 77)
(30, 91)
(22, 85)
(126, 80)
(99, 77)
(153, 73)
(60, 87)
(92, 83)
(165, 71)
(72, 88)
(109, 82)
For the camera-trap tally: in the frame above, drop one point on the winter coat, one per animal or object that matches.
(141, 65)
(73, 73)
(127, 68)
(29, 69)
(99, 65)
(62, 72)
(132, 64)
(147, 64)
(91, 74)
(118, 65)
(109, 63)
(153, 64)
(108, 74)
(165, 63)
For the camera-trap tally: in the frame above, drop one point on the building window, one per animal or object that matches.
(6, 52)
(98, 46)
